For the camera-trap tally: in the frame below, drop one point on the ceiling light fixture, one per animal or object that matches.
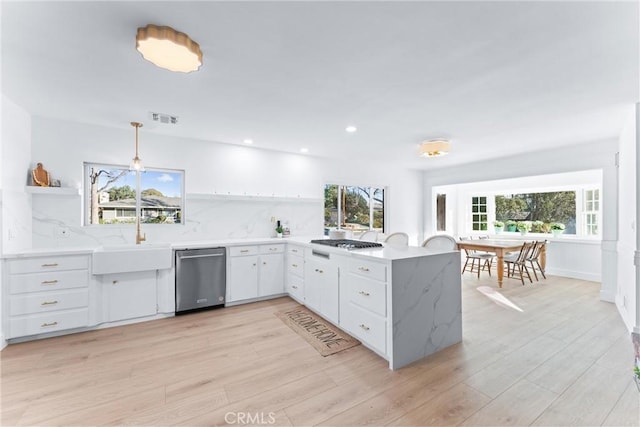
(248, 141)
(304, 150)
(351, 129)
(136, 163)
(434, 148)
(168, 48)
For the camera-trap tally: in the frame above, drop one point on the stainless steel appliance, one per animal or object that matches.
(347, 244)
(201, 278)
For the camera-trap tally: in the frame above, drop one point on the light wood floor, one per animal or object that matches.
(565, 360)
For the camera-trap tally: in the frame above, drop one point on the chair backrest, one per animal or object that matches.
(398, 239)
(462, 239)
(441, 241)
(369, 236)
(534, 254)
(524, 252)
(484, 237)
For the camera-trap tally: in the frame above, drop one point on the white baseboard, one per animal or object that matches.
(592, 277)
(3, 342)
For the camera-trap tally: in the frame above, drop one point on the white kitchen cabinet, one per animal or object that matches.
(271, 275)
(130, 295)
(321, 285)
(255, 271)
(364, 311)
(243, 278)
(46, 294)
(295, 272)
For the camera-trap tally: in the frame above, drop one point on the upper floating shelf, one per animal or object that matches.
(250, 198)
(54, 191)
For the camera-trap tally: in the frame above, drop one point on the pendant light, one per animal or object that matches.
(136, 162)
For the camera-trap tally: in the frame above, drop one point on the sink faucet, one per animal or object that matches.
(139, 236)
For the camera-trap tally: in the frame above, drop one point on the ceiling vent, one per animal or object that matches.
(166, 119)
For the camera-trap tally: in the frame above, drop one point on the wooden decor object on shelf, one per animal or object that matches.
(40, 176)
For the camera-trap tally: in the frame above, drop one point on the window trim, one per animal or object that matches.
(86, 222)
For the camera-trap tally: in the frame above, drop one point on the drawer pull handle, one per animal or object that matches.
(244, 251)
(49, 302)
(273, 249)
(254, 264)
(49, 282)
(44, 325)
(294, 286)
(53, 264)
(366, 294)
(365, 327)
(365, 269)
(319, 271)
(264, 262)
(294, 250)
(294, 265)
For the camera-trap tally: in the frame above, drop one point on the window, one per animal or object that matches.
(479, 218)
(355, 208)
(539, 209)
(114, 192)
(590, 212)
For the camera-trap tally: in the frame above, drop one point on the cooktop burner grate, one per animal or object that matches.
(347, 244)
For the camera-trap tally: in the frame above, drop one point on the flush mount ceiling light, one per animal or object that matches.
(434, 148)
(136, 163)
(168, 49)
(351, 129)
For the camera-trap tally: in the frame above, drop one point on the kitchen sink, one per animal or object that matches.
(126, 258)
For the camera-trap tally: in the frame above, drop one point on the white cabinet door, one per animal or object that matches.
(321, 288)
(131, 295)
(313, 280)
(271, 280)
(243, 278)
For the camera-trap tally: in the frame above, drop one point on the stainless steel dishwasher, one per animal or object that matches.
(201, 278)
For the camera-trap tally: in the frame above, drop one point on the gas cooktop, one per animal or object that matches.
(347, 244)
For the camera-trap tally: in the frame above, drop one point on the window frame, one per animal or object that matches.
(372, 192)
(86, 215)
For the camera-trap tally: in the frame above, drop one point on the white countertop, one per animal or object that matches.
(387, 252)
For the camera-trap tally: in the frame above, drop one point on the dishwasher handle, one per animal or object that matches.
(198, 256)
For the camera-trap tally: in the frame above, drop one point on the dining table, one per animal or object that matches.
(500, 247)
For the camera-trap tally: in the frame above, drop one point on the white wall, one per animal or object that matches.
(16, 155)
(628, 193)
(589, 156)
(211, 168)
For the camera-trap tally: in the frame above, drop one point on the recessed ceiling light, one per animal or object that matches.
(351, 129)
(248, 141)
(304, 150)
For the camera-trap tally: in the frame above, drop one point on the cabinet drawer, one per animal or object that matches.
(369, 294)
(52, 263)
(47, 322)
(48, 301)
(271, 249)
(295, 265)
(369, 269)
(368, 327)
(295, 287)
(36, 282)
(295, 250)
(243, 250)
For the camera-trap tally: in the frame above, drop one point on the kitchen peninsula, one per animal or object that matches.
(403, 303)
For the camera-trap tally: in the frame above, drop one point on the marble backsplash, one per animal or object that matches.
(57, 221)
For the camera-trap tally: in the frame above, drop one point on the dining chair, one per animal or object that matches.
(369, 236)
(519, 260)
(534, 258)
(441, 242)
(484, 260)
(397, 239)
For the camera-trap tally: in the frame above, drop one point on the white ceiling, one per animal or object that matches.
(497, 78)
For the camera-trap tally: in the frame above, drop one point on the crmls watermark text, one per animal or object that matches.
(250, 418)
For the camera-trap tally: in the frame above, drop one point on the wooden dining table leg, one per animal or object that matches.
(500, 266)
